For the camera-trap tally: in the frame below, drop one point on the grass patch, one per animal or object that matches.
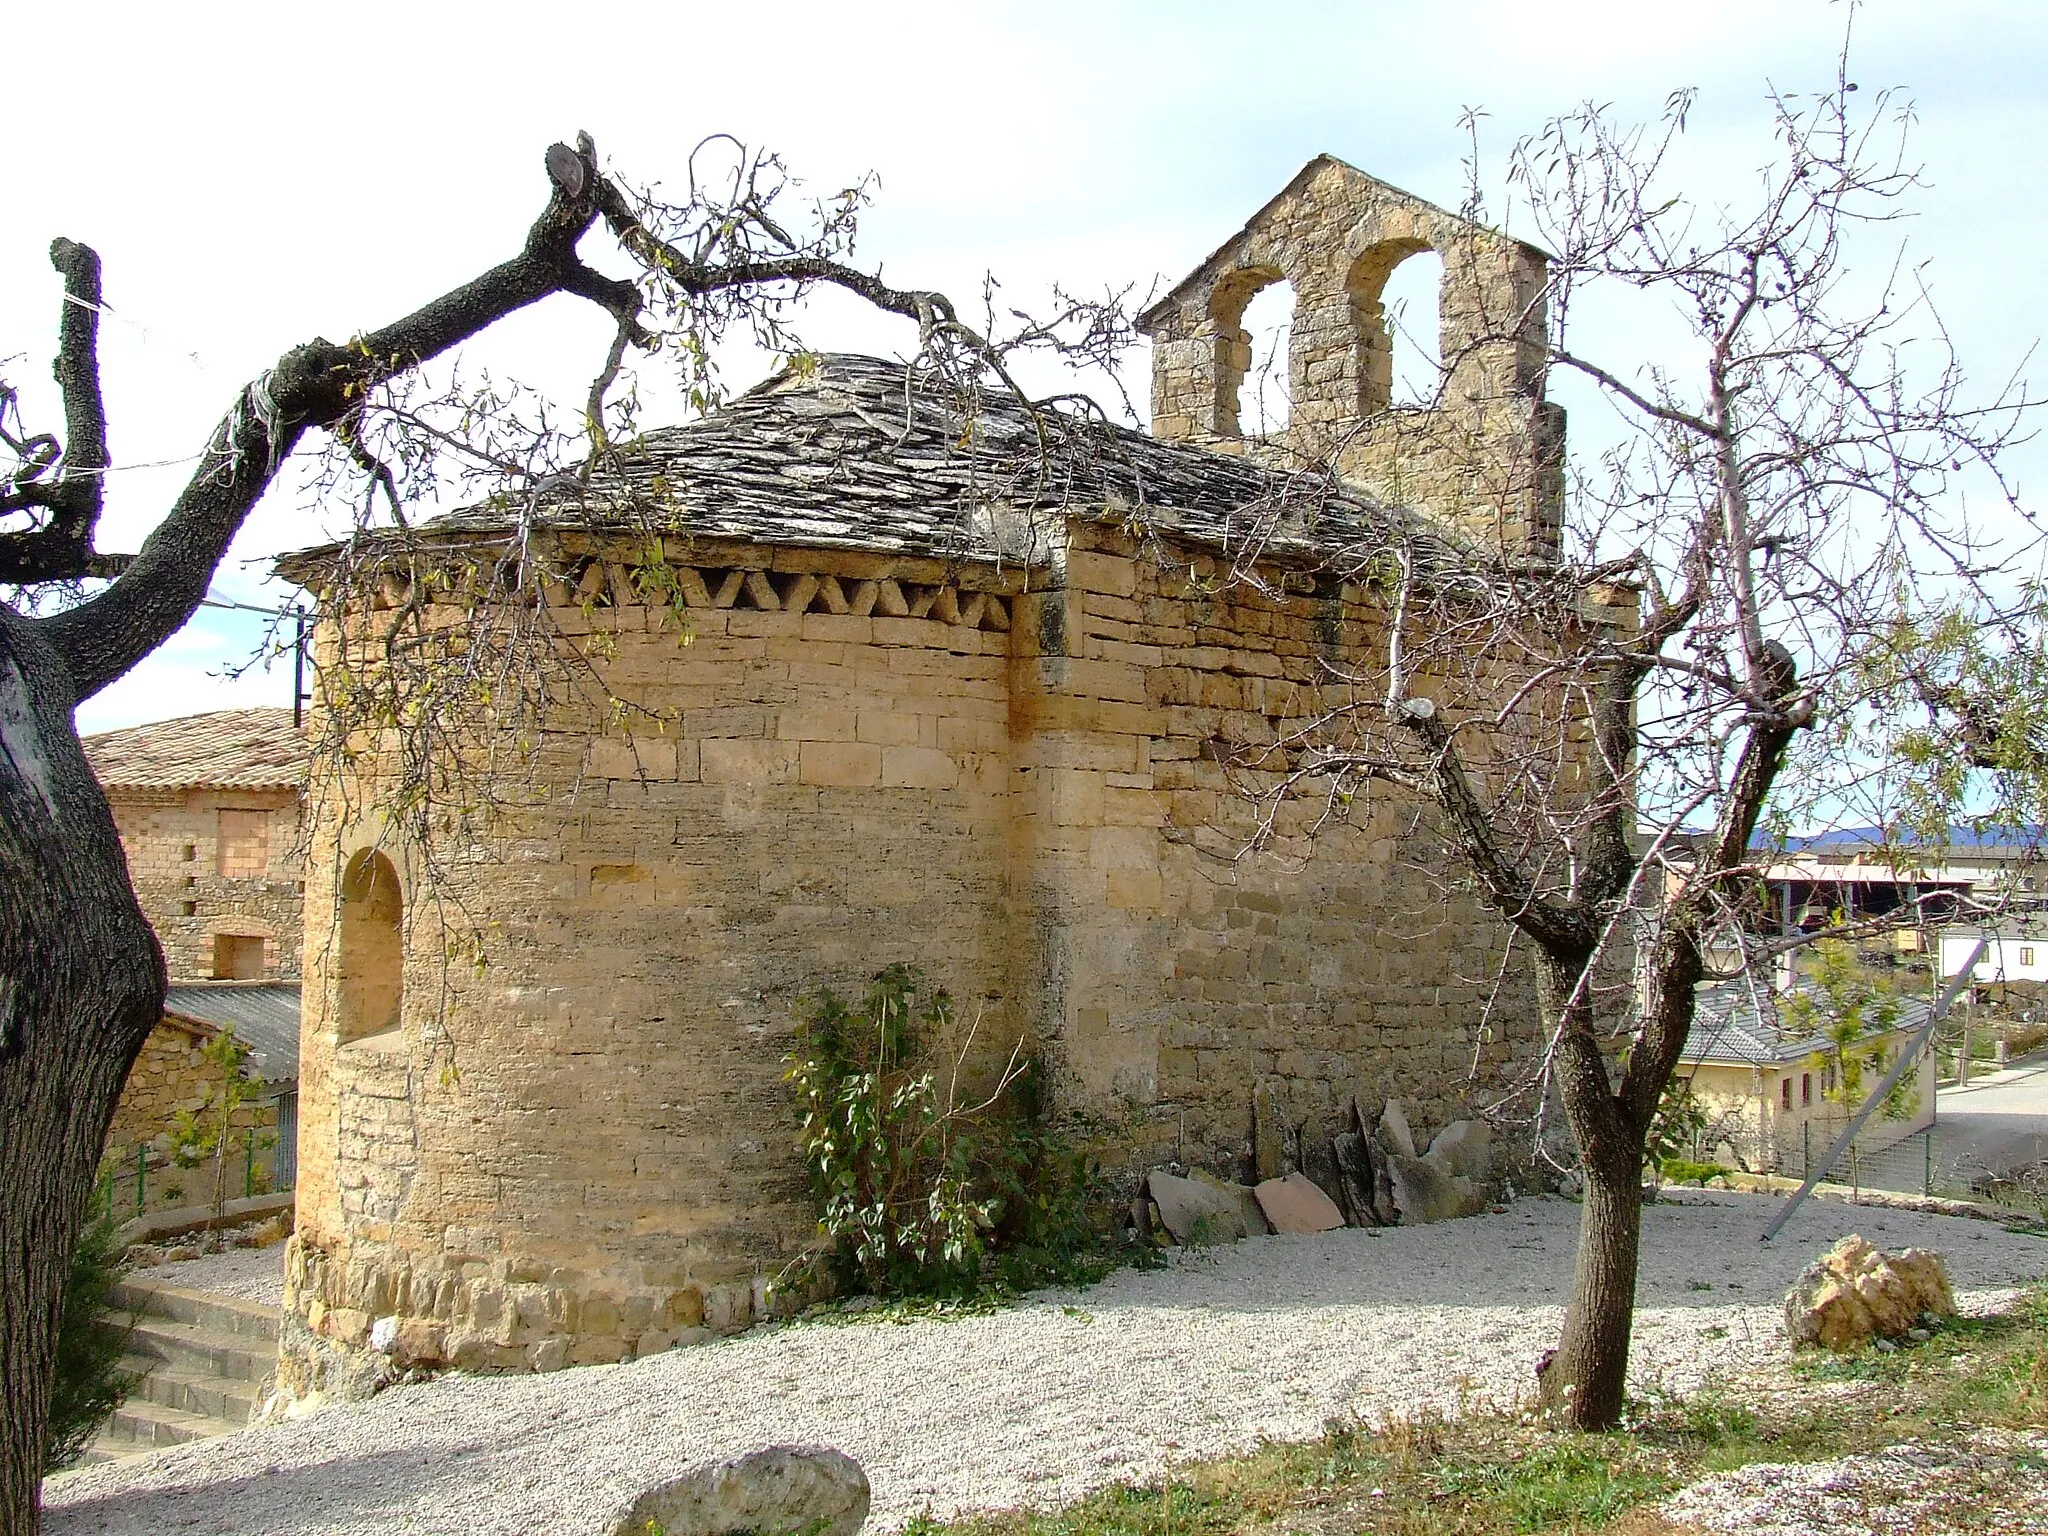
(1491, 1474)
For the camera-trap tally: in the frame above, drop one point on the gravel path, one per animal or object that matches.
(1037, 1404)
(247, 1274)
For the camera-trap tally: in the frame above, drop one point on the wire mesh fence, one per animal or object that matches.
(1946, 1161)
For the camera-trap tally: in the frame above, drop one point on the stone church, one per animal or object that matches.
(951, 700)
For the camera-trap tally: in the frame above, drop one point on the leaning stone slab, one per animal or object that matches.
(1255, 1223)
(1354, 1172)
(1464, 1150)
(1294, 1204)
(1195, 1212)
(1423, 1192)
(1319, 1162)
(781, 1491)
(1854, 1293)
(1394, 1133)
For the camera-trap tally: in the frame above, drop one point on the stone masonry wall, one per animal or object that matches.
(585, 1150)
(1236, 1002)
(195, 887)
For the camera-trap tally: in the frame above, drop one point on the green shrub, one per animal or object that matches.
(89, 1382)
(920, 1193)
(1681, 1170)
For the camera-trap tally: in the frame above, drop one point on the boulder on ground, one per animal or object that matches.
(1423, 1192)
(1854, 1293)
(779, 1491)
(1464, 1150)
(1196, 1212)
(1255, 1223)
(1394, 1134)
(1295, 1204)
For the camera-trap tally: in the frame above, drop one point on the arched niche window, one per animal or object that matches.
(370, 948)
(1254, 313)
(1396, 303)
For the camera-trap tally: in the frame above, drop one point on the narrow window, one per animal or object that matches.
(1266, 401)
(1785, 1092)
(370, 948)
(244, 844)
(2026, 955)
(1409, 307)
(237, 957)
(1805, 1088)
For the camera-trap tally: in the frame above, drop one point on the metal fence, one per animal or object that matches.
(1924, 1163)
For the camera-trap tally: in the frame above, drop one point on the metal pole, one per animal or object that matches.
(1927, 1161)
(299, 671)
(1907, 1057)
(249, 1166)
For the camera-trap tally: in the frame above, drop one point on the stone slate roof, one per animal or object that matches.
(265, 1015)
(857, 453)
(228, 749)
(1728, 1029)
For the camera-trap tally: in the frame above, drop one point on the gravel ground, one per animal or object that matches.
(1990, 1485)
(1036, 1404)
(247, 1274)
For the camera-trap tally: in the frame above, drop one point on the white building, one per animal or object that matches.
(2010, 953)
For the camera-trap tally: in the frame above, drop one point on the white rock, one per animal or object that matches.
(784, 1488)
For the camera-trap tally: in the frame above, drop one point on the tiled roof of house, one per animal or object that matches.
(265, 1015)
(228, 749)
(857, 453)
(1735, 1023)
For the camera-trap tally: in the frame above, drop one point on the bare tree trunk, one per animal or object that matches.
(1583, 1382)
(81, 984)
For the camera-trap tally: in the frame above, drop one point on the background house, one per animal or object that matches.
(208, 811)
(1769, 1088)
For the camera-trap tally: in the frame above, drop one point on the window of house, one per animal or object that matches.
(1785, 1093)
(2026, 954)
(1805, 1088)
(243, 844)
(237, 957)
(370, 948)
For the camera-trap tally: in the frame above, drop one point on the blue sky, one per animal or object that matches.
(256, 175)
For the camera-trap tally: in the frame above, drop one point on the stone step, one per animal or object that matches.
(192, 1391)
(202, 1351)
(203, 1309)
(138, 1425)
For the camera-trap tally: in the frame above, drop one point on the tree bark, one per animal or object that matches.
(81, 985)
(1583, 1382)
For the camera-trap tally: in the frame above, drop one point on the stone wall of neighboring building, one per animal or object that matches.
(208, 811)
(171, 1076)
(218, 877)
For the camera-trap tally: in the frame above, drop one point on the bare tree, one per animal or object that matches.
(82, 977)
(1782, 506)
